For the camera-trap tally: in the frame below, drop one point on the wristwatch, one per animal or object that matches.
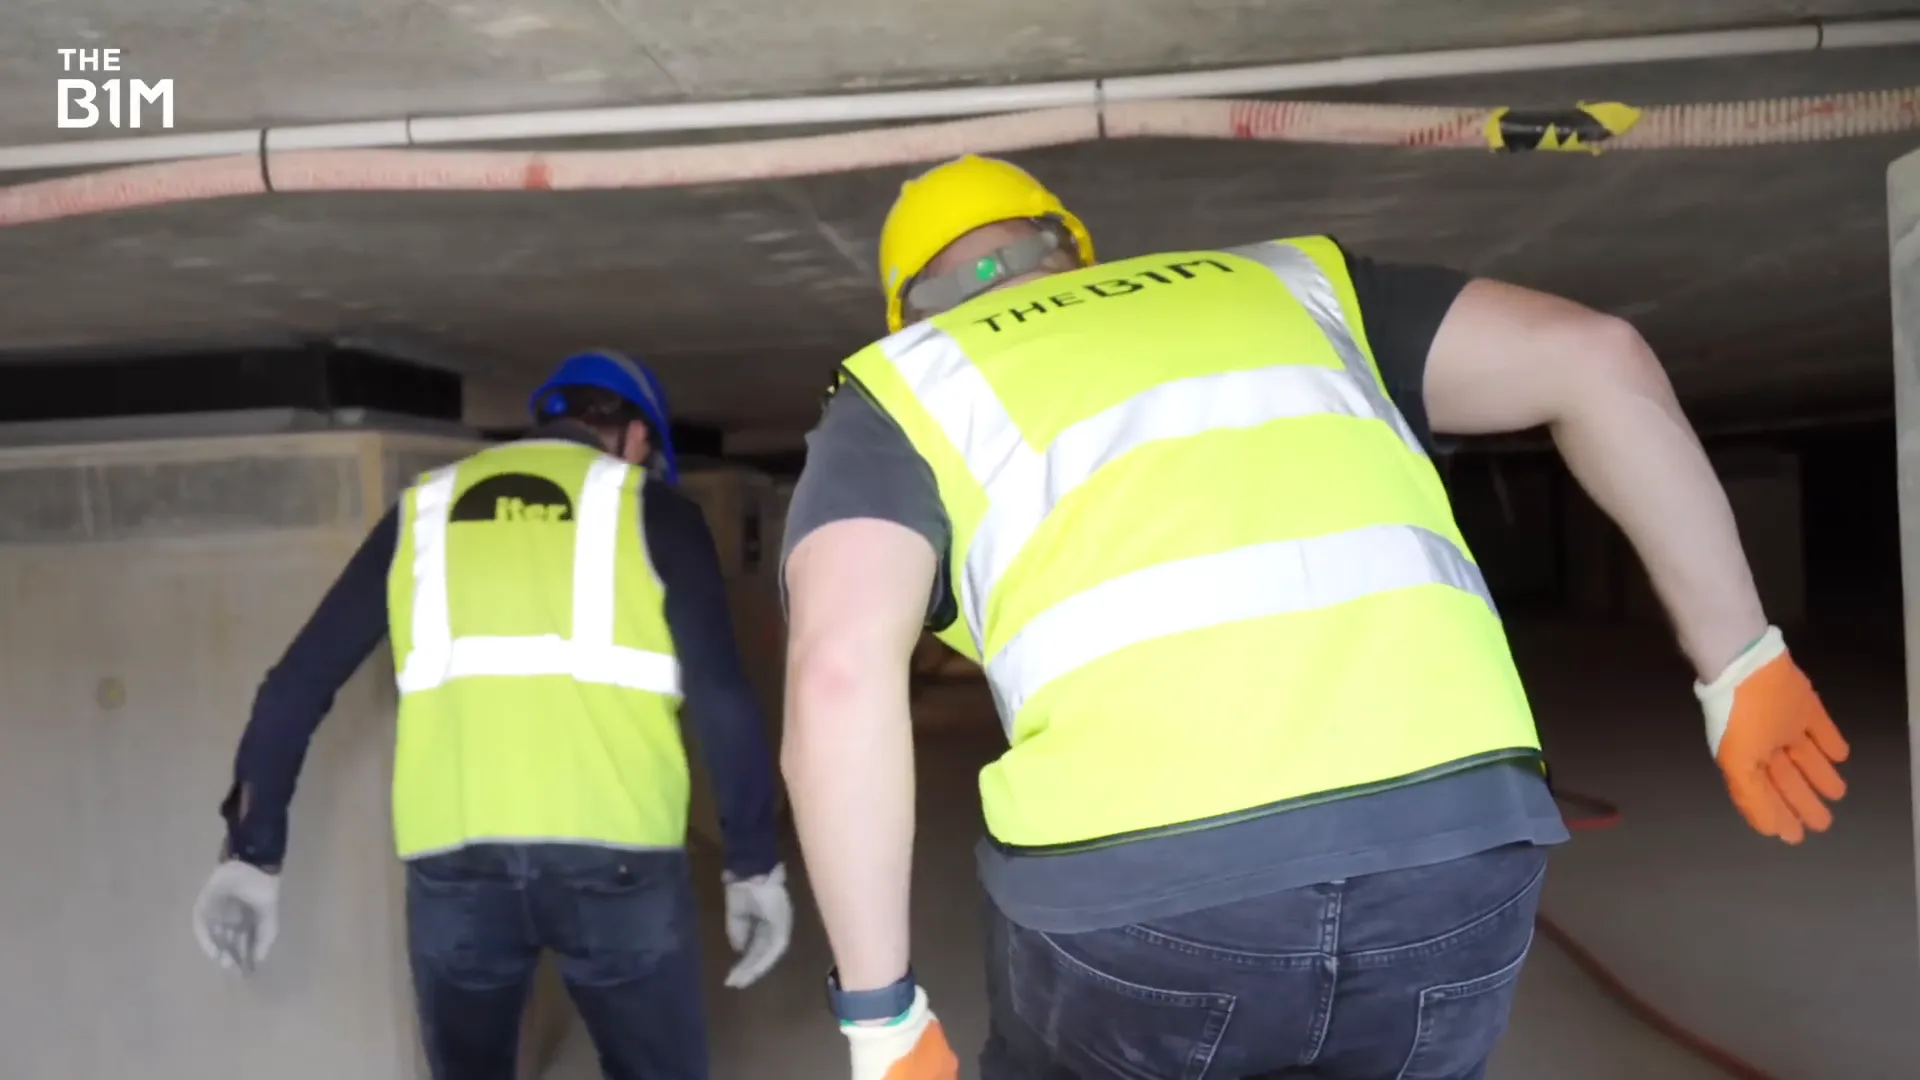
(854, 1006)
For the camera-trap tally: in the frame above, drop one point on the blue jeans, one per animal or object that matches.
(622, 926)
(1407, 975)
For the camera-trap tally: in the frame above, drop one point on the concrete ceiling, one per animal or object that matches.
(1759, 273)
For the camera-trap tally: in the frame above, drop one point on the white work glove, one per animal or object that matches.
(759, 923)
(237, 915)
(912, 1047)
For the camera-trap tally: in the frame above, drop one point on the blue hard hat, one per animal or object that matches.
(623, 375)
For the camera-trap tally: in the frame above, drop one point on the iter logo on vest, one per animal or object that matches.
(514, 498)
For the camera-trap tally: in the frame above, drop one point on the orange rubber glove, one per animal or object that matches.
(912, 1047)
(1774, 741)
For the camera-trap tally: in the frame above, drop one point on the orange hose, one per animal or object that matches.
(1594, 814)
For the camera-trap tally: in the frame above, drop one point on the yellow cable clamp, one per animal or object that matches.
(1582, 128)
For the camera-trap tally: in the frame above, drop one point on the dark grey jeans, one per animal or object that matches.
(622, 926)
(1406, 975)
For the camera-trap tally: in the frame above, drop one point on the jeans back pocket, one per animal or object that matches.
(1460, 1024)
(1103, 1023)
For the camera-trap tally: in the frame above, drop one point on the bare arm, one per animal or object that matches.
(1507, 358)
(857, 596)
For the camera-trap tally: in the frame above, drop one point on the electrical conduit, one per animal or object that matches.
(1428, 127)
(349, 157)
(969, 100)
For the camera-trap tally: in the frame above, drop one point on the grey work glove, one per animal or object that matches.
(237, 915)
(759, 924)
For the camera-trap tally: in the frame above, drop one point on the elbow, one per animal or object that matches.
(825, 675)
(1620, 357)
(1609, 362)
(824, 684)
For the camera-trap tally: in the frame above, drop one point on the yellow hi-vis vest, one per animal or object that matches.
(539, 692)
(1208, 568)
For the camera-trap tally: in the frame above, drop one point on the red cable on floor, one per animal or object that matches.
(1590, 813)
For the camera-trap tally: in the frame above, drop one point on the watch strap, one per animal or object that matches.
(856, 1006)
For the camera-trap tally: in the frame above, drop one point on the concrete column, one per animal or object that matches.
(1903, 237)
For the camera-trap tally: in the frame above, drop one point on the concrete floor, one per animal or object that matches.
(1804, 961)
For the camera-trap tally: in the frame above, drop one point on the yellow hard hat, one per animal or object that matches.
(950, 200)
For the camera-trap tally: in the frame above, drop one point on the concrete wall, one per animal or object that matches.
(1903, 242)
(148, 584)
(151, 573)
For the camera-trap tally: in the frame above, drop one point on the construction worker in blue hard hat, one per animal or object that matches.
(556, 609)
(1273, 800)
(623, 383)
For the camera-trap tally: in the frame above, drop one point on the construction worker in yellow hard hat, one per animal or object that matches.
(1273, 798)
(961, 196)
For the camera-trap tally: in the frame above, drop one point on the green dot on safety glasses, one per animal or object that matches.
(985, 268)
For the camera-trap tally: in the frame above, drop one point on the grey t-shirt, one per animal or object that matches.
(860, 465)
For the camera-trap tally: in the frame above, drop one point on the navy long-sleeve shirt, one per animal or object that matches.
(717, 704)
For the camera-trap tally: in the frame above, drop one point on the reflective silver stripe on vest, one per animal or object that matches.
(588, 655)
(1023, 486)
(1311, 290)
(1245, 583)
